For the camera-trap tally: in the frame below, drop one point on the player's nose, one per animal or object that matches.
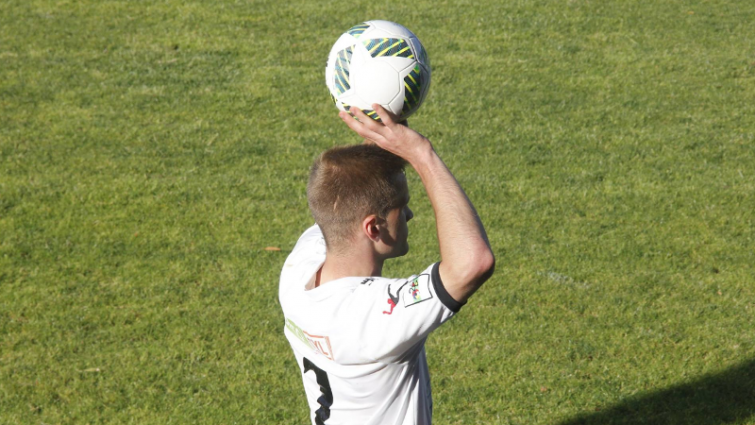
(409, 213)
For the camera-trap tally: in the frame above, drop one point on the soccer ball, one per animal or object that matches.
(378, 62)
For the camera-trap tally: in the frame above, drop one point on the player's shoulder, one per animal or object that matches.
(311, 240)
(310, 247)
(417, 288)
(382, 287)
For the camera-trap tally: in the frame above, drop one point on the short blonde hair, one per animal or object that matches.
(348, 183)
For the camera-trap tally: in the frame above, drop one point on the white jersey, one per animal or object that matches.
(360, 341)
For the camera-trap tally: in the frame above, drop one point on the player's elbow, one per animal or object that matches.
(464, 275)
(484, 266)
(477, 267)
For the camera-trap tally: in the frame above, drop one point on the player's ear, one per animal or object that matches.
(371, 227)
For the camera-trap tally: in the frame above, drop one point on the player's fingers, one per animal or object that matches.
(363, 118)
(367, 122)
(353, 124)
(358, 125)
(388, 118)
(344, 115)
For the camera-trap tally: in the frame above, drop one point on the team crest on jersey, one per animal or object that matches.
(417, 290)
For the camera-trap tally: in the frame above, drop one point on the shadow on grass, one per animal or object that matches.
(726, 397)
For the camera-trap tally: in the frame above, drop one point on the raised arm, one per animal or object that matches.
(466, 258)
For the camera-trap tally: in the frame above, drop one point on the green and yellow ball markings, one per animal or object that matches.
(372, 114)
(369, 112)
(388, 47)
(357, 30)
(343, 60)
(412, 86)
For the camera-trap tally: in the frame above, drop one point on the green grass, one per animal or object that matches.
(150, 151)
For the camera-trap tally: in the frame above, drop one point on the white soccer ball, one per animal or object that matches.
(378, 62)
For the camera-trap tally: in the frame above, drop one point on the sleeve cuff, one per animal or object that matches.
(440, 290)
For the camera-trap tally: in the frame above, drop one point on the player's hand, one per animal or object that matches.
(389, 135)
(370, 142)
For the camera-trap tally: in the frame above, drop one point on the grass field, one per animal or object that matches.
(151, 150)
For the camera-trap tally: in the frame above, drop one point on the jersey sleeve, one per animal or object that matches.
(391, 317)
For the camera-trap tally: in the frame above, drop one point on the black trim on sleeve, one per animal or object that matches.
(443, 295)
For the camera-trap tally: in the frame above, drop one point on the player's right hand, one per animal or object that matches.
(389, 135)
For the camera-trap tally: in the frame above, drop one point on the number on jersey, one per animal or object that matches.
(326, 399)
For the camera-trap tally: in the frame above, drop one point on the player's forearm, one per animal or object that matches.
(466, 258)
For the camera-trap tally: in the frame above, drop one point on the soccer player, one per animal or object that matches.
(359, 338)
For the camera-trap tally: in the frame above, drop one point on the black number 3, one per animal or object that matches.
(326, 399)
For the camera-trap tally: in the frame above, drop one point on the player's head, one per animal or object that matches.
(351, 185)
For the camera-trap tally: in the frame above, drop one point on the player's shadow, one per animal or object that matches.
(717, 399)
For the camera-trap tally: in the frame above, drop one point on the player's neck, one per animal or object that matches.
(338, 266)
